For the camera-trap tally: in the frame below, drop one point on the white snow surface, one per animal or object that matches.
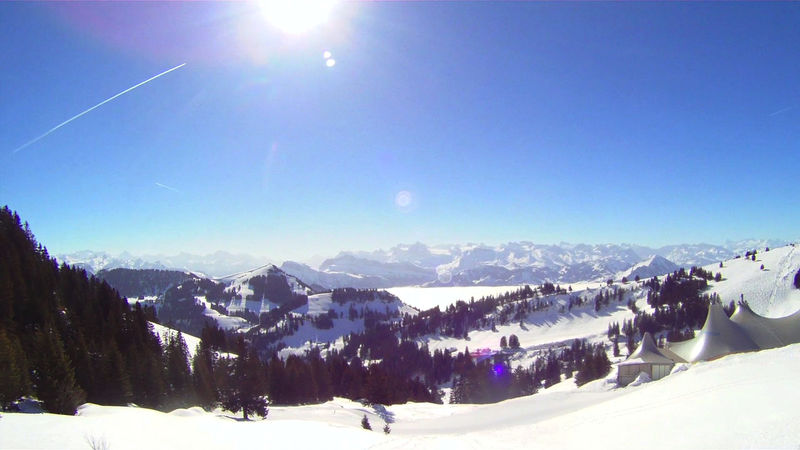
(424, 298)
(549, 327)
(728, 403)
(769, 292)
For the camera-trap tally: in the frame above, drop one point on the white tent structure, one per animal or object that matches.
(647, 358)
(744, 331)
(719, 337)
(766, 332)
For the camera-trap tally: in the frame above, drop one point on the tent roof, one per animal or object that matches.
(766, 332)
(720, 336)
(758, 328)
(647, 353)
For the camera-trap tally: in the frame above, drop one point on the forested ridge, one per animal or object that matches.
(67, 337)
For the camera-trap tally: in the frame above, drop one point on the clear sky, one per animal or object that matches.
(449, 122)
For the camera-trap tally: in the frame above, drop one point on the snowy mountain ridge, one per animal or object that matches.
(443, 265)
(216, 264)
(514, 263)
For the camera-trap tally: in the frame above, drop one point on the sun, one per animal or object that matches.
(296, 16)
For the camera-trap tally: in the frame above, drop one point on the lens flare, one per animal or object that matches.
(498, 369)
(403, 200)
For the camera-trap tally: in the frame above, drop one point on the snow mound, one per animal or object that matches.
(601, 385)
(641, 379)
(194, 411)
(679, 368)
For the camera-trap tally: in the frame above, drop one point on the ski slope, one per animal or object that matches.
(769, 292)
(728, 403)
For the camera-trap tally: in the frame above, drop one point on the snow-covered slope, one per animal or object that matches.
(253, 288)
(164, 333)
(696, 408)
(321, 280)
(651, 267)
(553, 326)
(348, 317)
(769, 292)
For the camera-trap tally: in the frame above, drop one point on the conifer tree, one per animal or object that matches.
(112, 385)
(14, 382)
(178, 374)
(53, 377)
(203, 379)
(513, 341)
(243, 387)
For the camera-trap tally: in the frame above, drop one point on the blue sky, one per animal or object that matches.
(646, 123)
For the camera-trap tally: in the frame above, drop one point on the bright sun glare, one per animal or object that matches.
(297, 16)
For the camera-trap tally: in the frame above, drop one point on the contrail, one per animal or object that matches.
(42, 136)
(167, 187)
(781, 111)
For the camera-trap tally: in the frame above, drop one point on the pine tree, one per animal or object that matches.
(203, 379)
(243, 387)
(54, 379)
(365, 423)
(178, 374)
(112, 385)
(14, 382)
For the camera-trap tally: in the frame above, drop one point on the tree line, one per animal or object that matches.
(67, 337)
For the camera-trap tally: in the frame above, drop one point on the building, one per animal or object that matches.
(647, 358)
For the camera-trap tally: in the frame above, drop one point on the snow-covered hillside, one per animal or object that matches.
(770, 291)
(651, 267)
(252, 289)
(728, 403)
(554, 326)
(346, 317)
(330, 280)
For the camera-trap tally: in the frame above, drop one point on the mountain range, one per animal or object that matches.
(216, 264)
(450, 265)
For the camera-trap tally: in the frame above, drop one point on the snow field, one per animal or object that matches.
(769, 292)
(739, 401)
